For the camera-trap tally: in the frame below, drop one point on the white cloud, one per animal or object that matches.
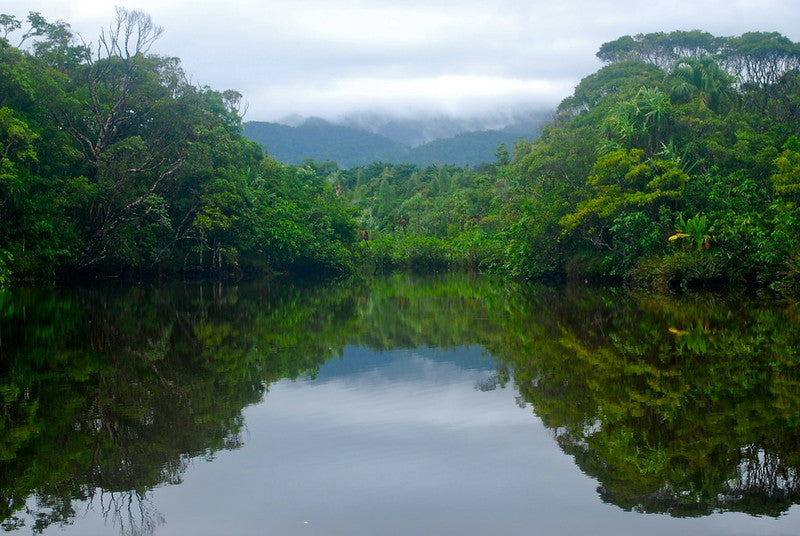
(320, 57)
(452, 94)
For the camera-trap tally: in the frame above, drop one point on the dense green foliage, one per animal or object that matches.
(682, 175)
(431, 218)
(111, 161)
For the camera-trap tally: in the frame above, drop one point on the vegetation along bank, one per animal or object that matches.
(675, 165)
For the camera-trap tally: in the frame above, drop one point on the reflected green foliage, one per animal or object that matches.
(679, 406)
(107, 393)
(115, 391)
(686, 406)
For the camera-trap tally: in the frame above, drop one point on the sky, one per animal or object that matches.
(462, 58)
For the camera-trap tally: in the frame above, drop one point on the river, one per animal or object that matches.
(396, 405)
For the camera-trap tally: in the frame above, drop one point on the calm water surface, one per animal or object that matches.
(396, 406)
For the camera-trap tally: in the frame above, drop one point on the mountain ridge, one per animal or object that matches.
(350, 144)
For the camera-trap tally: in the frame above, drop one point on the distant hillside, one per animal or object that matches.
(469, 149)
(320, 140)
(348, 146)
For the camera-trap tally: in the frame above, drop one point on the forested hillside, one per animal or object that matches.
(675, 165)
(320, 140)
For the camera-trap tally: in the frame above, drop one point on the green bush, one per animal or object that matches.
(683, 270)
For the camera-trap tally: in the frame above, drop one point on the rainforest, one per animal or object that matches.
(595, 330)
(676, 165)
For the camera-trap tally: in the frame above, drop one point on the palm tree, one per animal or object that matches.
(703, 79)
(641, 122)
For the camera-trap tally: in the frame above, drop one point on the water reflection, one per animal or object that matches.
(678, 406)
(686, 406)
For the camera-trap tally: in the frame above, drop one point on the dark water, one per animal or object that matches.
(396, 406)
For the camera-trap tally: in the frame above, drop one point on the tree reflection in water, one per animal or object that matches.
(686, 406)
(130, 512)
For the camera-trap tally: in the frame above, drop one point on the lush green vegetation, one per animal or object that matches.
(678, 176)
(676, 165)
(110, 161)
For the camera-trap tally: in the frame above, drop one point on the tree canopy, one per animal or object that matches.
(112, 161)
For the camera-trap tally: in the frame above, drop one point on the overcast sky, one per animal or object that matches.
(465, 57)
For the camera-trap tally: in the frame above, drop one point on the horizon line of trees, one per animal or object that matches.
(755, 59)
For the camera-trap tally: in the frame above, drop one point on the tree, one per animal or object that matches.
(702, 79)
(621, 79)
(760, 58)
(642, 122)
(621, 216)
(503, 155)
(787, 176)
(56, 46)
(660, 49)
